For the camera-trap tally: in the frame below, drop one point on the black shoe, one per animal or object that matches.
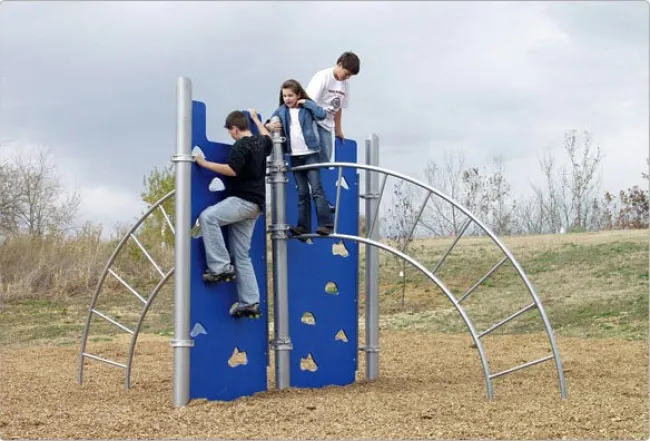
(325, 230)
(212, 277)
(251, 311)
(298, 231)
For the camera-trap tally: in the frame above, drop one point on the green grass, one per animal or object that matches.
(591, 285)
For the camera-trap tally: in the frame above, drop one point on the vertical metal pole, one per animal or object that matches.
(279, 227)
(372, 261)
(183, 160)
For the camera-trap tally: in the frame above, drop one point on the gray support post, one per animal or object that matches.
(372, 261)
(278, 227)
(183, 159)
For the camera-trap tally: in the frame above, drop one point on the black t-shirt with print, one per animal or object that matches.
(248, 160)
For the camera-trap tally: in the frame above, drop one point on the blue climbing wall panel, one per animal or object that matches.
(311, 268)
(216, 335)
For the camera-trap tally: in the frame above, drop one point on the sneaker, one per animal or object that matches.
(238, 310)
(298, 231)
(325, 230)
(212, 277)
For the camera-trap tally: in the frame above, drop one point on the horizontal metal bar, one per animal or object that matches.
(103, 360)
(476, 285)
(525, 365)
(503, 322)
(108, 319)
(133, 291)
(169, 222)
(160, 271)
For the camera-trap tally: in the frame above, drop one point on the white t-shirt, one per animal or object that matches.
(329, 93)
(298, 145)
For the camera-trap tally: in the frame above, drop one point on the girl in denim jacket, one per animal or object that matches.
(298, 115)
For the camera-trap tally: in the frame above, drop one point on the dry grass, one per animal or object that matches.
(59, 268)
(430, 386)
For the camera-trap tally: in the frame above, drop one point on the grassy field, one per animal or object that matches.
(592, 285)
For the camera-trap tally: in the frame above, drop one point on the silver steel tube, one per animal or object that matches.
(103, 360)
(108, 319)
(146, 253)
(372, 260)
(169, 222)
(375, 216)
(521, 366)
(183, 160)
(506, 320)
(477, 284)
(127, 286)
(282, 340)
(339, 184)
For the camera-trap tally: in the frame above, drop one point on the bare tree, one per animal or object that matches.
(32, 199)
(502, 208)
(582, 181)
(440, 217)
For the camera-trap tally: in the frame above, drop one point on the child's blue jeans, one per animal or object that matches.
(305, 179)
(240, 216)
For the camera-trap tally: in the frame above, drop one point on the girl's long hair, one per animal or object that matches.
(296, 88)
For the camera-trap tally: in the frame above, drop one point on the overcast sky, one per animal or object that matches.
(94, 82)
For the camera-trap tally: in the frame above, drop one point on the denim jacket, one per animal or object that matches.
(308, 114)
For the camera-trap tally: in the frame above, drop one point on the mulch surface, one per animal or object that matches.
(430, 386)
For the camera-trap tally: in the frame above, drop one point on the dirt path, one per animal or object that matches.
(431, 386)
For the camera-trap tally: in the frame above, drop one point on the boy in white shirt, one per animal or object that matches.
(330, 90)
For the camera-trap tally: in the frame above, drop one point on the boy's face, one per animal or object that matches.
(342, 74)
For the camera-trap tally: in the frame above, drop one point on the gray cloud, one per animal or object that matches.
(95, 81)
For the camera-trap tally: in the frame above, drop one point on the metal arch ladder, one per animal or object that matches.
(368, 240)
(456, 302)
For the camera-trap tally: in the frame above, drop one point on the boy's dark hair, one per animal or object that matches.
(238, 119)
(350, 62)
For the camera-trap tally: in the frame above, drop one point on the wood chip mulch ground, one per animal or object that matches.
(430, 386)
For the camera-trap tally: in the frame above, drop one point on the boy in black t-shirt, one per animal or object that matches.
(246, 169)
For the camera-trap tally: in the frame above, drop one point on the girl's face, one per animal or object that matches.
(290, 98)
